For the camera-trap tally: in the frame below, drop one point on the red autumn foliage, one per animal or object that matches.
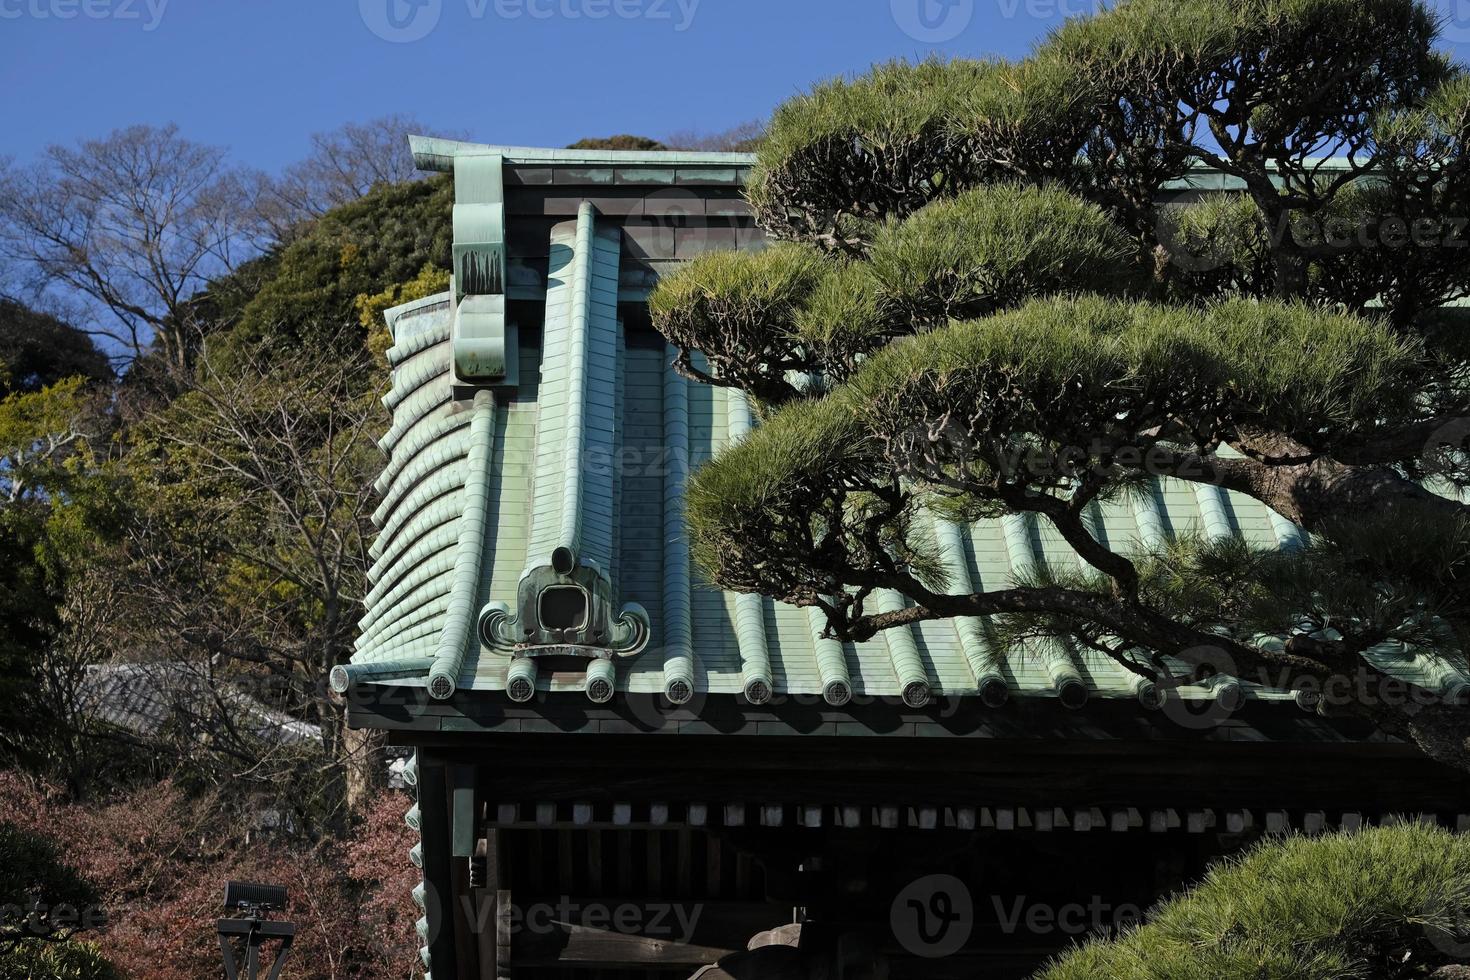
(160, 861)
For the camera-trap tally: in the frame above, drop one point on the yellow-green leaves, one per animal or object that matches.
(37, 429)
(371, 306)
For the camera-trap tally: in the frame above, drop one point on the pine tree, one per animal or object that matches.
(987, 297)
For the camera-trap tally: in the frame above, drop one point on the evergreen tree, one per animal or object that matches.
(986, 301)
(1387, 902)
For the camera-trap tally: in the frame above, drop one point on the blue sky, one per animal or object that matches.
(259, 76)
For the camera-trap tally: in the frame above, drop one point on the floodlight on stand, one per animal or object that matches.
(249, 906)
(244, 896)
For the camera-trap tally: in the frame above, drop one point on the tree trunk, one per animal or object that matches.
(363, 758)
(1315, 494)
(1290, 265)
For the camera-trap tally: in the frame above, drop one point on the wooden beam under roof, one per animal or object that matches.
(668, 814)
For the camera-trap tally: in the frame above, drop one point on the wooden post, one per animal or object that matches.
(503, 932)
(493, 964)
(438, 865)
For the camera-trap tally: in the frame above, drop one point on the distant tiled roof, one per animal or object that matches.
(588, 449)
(143, 698)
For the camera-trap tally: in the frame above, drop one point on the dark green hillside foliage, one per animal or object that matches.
(37, 350)
(308, 298)
(622, 141)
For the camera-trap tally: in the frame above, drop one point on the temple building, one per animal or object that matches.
(621, 770)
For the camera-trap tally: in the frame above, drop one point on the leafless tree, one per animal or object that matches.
(246, 560)
(343, 165)
(739, 138)
(136, 224)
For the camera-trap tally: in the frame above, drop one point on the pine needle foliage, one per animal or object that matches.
(1386, 902)
(1221, 242)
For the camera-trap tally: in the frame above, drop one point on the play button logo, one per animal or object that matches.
(932, 21)
(400, 21)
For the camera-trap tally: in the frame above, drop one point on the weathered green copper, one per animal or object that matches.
(520, 679)
(485, 350)
(1152, 538)
(729, 644)
(567, 543)
(1148, 693)
(1146, 517)
(904, 653)
(1226, 690)
(343, 676)
(427, 450)
(443, 155)
(677, 624)
(757, 681)
(564, 596)
(1065, 679)
(1212, 511)
(990, 683)
(482, 346)
(836, 681)
(1288, 535)
(455, 637)
(601, 682)
(429, 557)
(479, 228)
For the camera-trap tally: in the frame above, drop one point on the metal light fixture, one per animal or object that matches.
(253, 905)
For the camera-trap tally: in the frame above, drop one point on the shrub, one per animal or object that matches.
(37, 960)
(1389, 902)
(159, 862)
(32, 874)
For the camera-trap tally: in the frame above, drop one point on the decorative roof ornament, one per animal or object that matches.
(565, 612)
(485, 350)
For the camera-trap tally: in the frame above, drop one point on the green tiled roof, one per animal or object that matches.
(729, 634)
(589, 452)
